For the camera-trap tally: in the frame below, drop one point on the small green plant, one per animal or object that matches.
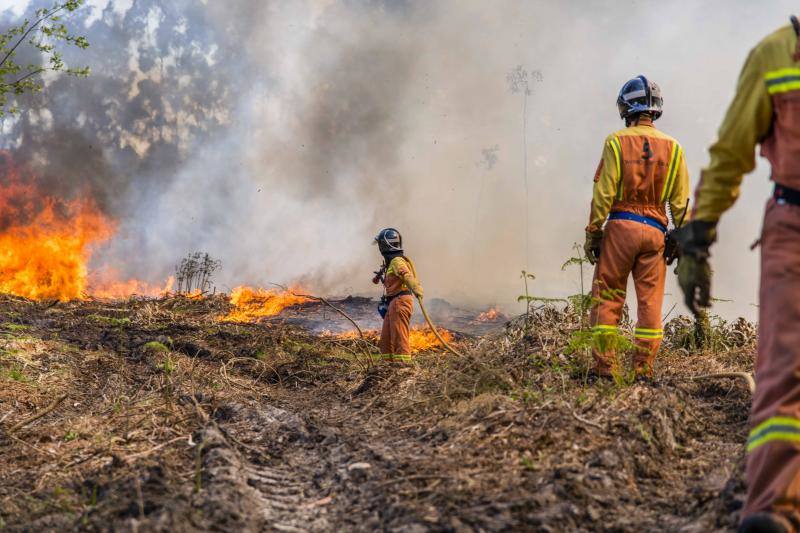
(10, 326)
(623, 378)
(527, 463)
(16, 374)
(70, 436)
(526, 297)
(167, 366)
(154, 347)
(580, 302)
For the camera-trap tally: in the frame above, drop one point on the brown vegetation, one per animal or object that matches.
(174, 420)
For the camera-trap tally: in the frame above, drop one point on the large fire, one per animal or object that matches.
(250, 304)
(46, 243)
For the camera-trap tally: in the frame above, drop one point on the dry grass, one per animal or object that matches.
(175, 421)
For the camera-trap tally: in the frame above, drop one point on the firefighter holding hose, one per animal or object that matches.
(400, 284)
(765, 111)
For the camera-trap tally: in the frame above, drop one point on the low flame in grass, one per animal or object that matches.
(492, 315)
(424, 339)
(110, 289)
(250, 304)
(421, 339)
(46, 242)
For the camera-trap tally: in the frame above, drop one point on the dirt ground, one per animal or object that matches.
(158, 417)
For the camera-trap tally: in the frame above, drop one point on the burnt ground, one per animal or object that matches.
(173, 421)
(317, 317)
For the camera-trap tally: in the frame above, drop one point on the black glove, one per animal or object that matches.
(671, 248)
(591, 246)
(694, 272)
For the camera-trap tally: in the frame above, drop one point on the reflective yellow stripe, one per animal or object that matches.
(777, 428)
(672, 171)
(783, 80)
(645, 333)
(396, 357)
(604, 329)
(615, 146)
(773, 75)
(785, 87)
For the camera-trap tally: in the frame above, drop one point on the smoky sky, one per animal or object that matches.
(280, 136)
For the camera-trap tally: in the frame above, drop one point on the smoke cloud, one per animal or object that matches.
(280, 136)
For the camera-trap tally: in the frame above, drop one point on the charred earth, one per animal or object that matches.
(157, 415)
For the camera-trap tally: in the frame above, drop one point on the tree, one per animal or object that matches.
(40, 36)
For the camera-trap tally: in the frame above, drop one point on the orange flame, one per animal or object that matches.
(421, 339)
(491, 315)
(46, 242)
(111, 289)
(424, 339)
(251, 304)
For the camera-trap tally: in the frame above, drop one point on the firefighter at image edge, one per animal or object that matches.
(642, 170)
(765, 111)
(400, 284)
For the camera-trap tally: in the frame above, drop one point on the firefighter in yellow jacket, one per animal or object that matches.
(642, 170)
(400, 285)
(765, 111)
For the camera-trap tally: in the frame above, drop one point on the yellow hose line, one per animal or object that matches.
(435, 331)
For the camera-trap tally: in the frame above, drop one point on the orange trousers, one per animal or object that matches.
(773, 462)
(395, 331)
(628, 247)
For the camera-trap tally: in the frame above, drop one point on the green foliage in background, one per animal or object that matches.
(44, 34)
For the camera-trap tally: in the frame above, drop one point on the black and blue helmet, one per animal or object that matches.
(389, 241)
(639, 95)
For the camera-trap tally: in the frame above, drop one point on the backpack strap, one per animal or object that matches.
(411, 266)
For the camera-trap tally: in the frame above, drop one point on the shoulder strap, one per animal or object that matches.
(672, 170)
(411, 266)
(616, 147)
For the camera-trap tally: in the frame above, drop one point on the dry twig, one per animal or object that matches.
(21, 424)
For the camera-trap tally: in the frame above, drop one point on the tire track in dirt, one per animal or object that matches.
(257, 475)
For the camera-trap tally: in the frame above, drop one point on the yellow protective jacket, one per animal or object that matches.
(401, 275)
(641, 171)
(765, 110)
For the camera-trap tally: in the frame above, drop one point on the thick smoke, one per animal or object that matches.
(279, 136)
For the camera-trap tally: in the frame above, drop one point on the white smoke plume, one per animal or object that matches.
(304, 127)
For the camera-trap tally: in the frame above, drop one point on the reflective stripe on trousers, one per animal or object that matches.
(773, 461)
(629, 248)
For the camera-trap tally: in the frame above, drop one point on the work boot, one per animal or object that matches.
(644, 373)
(595, 376)
(646, 379)
(766, 523)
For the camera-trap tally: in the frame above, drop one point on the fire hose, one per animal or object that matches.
(436, 331)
